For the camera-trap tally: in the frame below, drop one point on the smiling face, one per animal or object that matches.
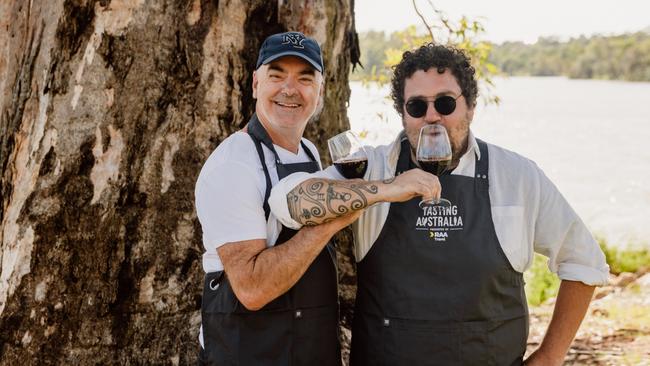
(429, 85)
(287, 92)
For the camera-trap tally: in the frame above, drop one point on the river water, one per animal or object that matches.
(591, 138)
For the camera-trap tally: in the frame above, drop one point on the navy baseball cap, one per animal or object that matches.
(290, 44)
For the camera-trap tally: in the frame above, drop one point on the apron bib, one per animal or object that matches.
(436, 288)
(298, 328)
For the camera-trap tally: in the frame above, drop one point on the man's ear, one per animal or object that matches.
(255, 84)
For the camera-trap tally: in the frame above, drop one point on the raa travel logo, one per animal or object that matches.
(439, 221)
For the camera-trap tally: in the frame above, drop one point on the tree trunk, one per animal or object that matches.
(108, 110)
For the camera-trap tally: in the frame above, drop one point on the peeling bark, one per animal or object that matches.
(108, 110)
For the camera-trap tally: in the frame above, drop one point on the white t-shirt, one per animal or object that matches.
(529, 213)
(229, 194)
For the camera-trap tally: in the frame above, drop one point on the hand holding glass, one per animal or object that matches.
(434, 155)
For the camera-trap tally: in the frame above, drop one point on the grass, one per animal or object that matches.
(630, 259)
(632, 316)
(541, 284)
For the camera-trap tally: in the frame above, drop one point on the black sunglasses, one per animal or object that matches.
(444, 105)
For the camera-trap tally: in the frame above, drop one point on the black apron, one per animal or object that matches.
(298, 328)
(436, 288)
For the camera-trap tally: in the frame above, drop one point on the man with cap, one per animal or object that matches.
(443, 284)
(270, 293)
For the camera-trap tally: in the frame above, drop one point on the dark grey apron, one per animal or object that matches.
(298, 328)
(436, 288)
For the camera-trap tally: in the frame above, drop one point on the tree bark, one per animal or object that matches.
(108, 110)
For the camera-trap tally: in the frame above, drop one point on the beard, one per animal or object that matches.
(458, 138)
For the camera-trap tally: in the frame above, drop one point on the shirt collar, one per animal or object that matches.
(472, 146)
(466, 163)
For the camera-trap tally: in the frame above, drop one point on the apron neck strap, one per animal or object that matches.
(258, 132)
(404, 160)
(259, 136)
(482, 165)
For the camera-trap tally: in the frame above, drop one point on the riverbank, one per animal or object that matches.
(616, 330)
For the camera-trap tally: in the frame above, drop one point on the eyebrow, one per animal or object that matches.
(275, 67)
(306, 71)
(442, 93)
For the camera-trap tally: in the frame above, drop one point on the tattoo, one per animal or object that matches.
(319, 201)
(305, 205)
(389, 180)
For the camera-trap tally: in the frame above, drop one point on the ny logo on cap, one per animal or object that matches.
(294, 39)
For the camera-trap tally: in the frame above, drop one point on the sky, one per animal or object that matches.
(511, 20)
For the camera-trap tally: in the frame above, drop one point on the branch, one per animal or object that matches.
(433, 40)
(442, 18)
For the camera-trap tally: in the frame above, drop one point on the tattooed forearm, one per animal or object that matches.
(316, 201)
(305, 205)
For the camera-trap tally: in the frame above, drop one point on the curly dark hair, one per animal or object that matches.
(438, 56)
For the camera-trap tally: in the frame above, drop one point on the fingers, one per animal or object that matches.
(417, 182)
(430, 188)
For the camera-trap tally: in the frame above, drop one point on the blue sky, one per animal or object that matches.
(523, 20)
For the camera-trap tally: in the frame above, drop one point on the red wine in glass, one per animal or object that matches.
(349, 156)
(434, 166)
(352, 168)
(434, 155)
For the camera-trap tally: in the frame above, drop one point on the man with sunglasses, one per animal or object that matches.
(443, 285)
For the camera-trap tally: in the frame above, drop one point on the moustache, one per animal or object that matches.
(288, 100)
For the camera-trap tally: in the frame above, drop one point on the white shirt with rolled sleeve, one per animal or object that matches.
(529, 213)
(229, 194)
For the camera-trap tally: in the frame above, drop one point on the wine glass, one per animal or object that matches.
(434, 155)
(348, 155)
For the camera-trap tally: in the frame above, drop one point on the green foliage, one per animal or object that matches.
(541, 284)
(380, 51)
(621, 57)
(374, 48)
(630, 259)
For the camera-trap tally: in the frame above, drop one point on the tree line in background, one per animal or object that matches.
(619, 57)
